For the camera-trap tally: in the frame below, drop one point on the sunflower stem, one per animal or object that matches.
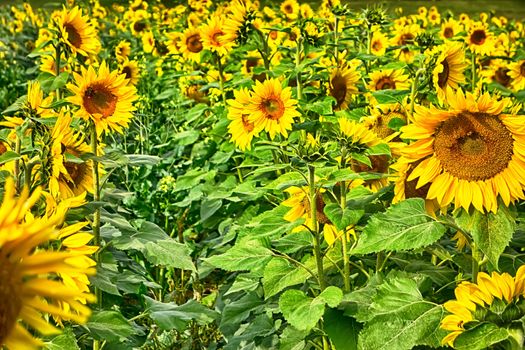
(57, 67)
(16, 170)
(346, 265)
(476, 257)
(221, 78)
(336, 39)
(516, 338)
(315, 228)
(413, 93)
(96, 198)
(297, 64)
(473, 69)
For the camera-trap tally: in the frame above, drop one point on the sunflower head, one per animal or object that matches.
(342, 84)
(77, 33)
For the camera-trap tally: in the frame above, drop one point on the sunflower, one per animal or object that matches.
(380, 118)
(498, 71)
(70, 176)
(342, 85)
(148, 42)
(78, 33)
(213, 37)
(236, 25)
(174, 42)
(405, 35)
(479, 39)
(271, 108)
(131, 70)
(36, 103)
(191, 44)
(386, 79)
(378, 43)
(290, 9)
(240, 127)
(450, 65)
(104, 97)
(495, 298)
(517, 73)
(29, 277)
(449, 29)
(471, 153)
(357, 133)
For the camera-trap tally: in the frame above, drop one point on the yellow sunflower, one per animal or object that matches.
(498, 71)
(104, 97)
(493, 297)
(191, 44)
(385, 79)
(342, 85)
(450, 65)
(378, 43)
(78, 33)
(405, 35)
(290, 9)
(122, 50)
(213, 37)
(235, 25)
(174, 42)
(381, 116)
(449, 29)
(131, 70)
(357, 133)
(29, 277)
(70, 176)
(240, 127)
(471, 153)
(479, 39)
(271, 108)
(38, 105)
(517, 73)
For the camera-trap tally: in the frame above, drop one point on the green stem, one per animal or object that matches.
(16, 170)
(516, 339)
(315, 227)
(413, 94)
(473, 69)
(57, 67)
(476, 257)
(336, 39)
(297, 64)
(221, 79)
(96, 198)
(346, 265)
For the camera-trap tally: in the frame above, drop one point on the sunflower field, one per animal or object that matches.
(274, 175)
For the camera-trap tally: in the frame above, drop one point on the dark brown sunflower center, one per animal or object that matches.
(194, 44)
(410, 186)
(406, 39)
(448, 33)
(379, 163)
(319, 206)
(216, 37)
(99, 99)
(139, 26)
(443, 76)
(380, 125)
(127, 72)
(522, 69)
(502, 77)
(73, 35)
(10, 297)
(288, 9)
(473, 146)
(478, 37)
(273, 108)
(385, 83)
(376, 45)
(248, 125)
(338, 89)
(3, 148)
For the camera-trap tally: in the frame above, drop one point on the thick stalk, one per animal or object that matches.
(96, 198)
(315, 227)
(346, 265)
(476, 258)
(221, 78)
(336, 39)
(16, 170)
(413, 96)
(473, 69)
(297, 64)
(57, 67)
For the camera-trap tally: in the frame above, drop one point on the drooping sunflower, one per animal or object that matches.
(241, 128)
(479, 39)
(70, 175)
(272, 108)
(342, 84)
(237, 24)
(450, 65)
(357, 133)
(191, 44)
(378, 43)
(29, 277)
(494, 299)
(470, 154)
(213, 37)
(104, 97)
(78, 33)
(385, 79)
(131, 70)
(517, 73)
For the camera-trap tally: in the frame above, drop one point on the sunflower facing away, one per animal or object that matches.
(470, 154)
(449, 69)
(104, 97)
(240, 127)
(29, 277)
(342, 85)
(517, 73)
(271, 108)
(78, 33)
(494, 298)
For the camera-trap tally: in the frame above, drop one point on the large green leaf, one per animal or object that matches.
(342, 218)
(404, 226)
(66, 340)
(279, 274)
(169, 253)
(480, 337)
(243, 256)
(490, 232)
(237, 311)
(302, 311)
(341, 330)
(110, 326)
(172, 316)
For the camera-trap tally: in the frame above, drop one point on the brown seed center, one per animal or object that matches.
(99, 99)
(10, 297)
(73, 36)
(127, 72)
(448, 33)
(385, 83)
(338, 89)
(443, 76)
(478, 37)
(273, 108)
(522, 69)
(194, 43)
(502, 77)
(473, 146)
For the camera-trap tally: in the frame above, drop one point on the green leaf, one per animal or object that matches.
(341, 330)
(389, 96)
(16, 106)
(110, 326)
(236, 312)
(378, 150)
(66, 340)
(481, 337)
(342, 218)
(280, 274)
(141, 159)
(169, 253)
(170, 316)
(322, 107)
(490, 232)
(59, 81)
(186, 137)
(209, 207)
(8, 156)
(247, 256)
(404, 226)
(303, 312)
